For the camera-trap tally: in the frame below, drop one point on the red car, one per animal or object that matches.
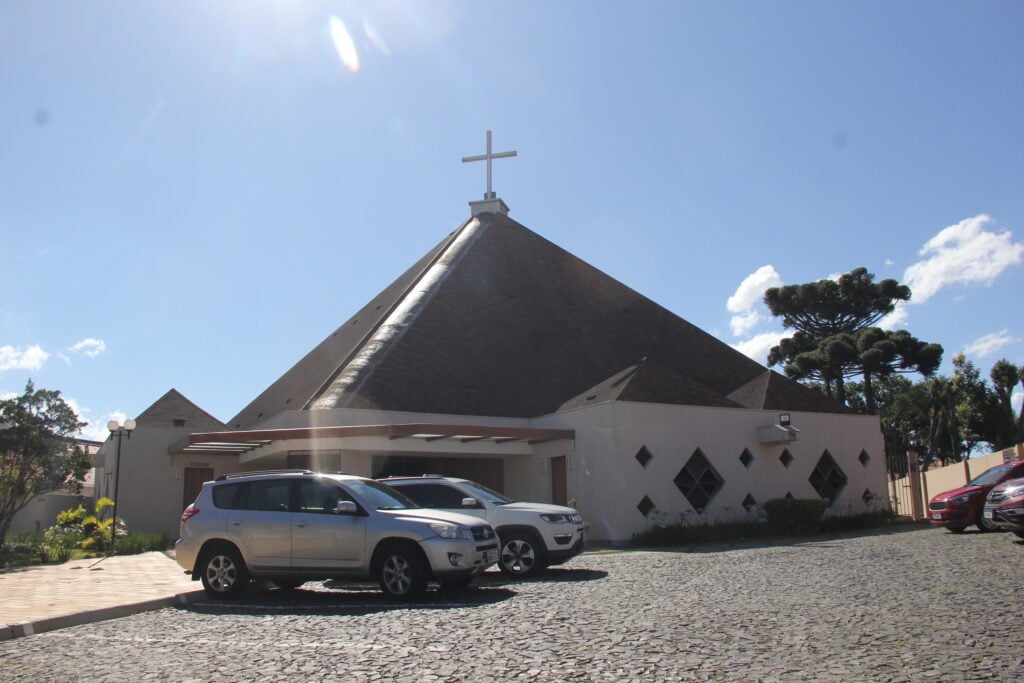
(960, 508)
(1005, 506)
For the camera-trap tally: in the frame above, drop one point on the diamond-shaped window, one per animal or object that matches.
(698, 481)
(786, 458)
(827, 478)
(864, 458)
(645, 506)
(643, 456)
(749, 503)
(788, 496)
(868, 497)
(746, 457)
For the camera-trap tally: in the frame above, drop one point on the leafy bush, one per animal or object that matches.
(136, 542)
(793, 515)
(679, 534)
(866, 520)
(17, 555)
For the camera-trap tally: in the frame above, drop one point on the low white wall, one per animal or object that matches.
(608, 482)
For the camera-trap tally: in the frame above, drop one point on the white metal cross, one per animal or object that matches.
(487, 157)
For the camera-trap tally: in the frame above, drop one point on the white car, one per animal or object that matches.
(532, 536)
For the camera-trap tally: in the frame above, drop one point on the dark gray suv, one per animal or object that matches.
(295, 526)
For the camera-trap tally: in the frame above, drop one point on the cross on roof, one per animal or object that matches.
(488, 157)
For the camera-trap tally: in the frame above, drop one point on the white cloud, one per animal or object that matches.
(5, 395)
(95, 428)
(749, 298)
(758, 346)
(989, 344)
(89, 347)
(895, 319)
(32, 358)
(741, 324)
(751, 290)
(890, 262)
(1016, 400)
(964, 253)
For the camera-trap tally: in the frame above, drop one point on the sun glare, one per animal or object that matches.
(344, 44)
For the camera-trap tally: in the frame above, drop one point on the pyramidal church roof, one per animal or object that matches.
(496, 320)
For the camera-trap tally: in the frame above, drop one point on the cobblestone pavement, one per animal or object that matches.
(910, 605)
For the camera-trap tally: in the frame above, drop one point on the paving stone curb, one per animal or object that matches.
(12, 631)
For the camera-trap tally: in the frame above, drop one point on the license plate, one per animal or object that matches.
(491, 556)
(988, 514)
(936, 515)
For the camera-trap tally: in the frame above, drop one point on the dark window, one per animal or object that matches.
(434, 495)
(749, 503)
(827, 479)
(747, 458)
(786, 458)
(864, 458)
(643, 456)
(319, 496)
(229, 496)
(698, 481)
(645, 506)
(179, 423)
(268, 494)
(867, 497)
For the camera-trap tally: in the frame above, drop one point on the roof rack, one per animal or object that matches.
(412, 476)
(235, 475)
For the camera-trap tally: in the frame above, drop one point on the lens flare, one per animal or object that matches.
(344, 45)
(373, 35)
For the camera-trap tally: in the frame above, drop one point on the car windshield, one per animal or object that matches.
(991, 476)
(379, 496)
(483, 492)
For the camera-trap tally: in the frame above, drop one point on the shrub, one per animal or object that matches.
(793, 515)
(135, 543)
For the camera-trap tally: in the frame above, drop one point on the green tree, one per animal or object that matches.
(38, 452)
(1007, 427)
(835, 339)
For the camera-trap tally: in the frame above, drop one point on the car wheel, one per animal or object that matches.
(401, 573)
(224, 573)
(456, 584)
(521, 555)
(956, 529)
(985, 525)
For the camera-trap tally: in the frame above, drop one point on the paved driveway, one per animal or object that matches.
(901, 606)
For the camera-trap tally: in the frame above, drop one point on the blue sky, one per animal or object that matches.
(193, 194)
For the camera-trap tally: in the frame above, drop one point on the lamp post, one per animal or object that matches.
(119, 429)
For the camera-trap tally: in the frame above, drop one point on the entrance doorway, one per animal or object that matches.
(194, 478)
(487, 471)
(559, 486)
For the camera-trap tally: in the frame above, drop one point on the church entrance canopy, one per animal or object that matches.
(271, 447)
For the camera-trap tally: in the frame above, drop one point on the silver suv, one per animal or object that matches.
(533, 535)
(295, 526)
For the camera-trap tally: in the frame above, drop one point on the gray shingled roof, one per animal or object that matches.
(174, 406)
(496, 320)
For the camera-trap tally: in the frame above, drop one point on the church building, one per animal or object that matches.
(502, 358)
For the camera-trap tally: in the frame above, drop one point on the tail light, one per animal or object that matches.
(190, 512)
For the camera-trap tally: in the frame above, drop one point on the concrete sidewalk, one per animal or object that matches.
(47, 597)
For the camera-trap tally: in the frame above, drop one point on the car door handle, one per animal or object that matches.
(301, 524)
(236, 522)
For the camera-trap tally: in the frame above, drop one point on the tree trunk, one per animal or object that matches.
(869, 393)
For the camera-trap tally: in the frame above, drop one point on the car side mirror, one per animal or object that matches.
(346, 507)
(469, 502)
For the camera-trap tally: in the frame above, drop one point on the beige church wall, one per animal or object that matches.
(41, 512)
(608, 482)
(152, 482)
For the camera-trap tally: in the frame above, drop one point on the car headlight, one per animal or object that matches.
(449, 530)
(557, 518)
(962, 499)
